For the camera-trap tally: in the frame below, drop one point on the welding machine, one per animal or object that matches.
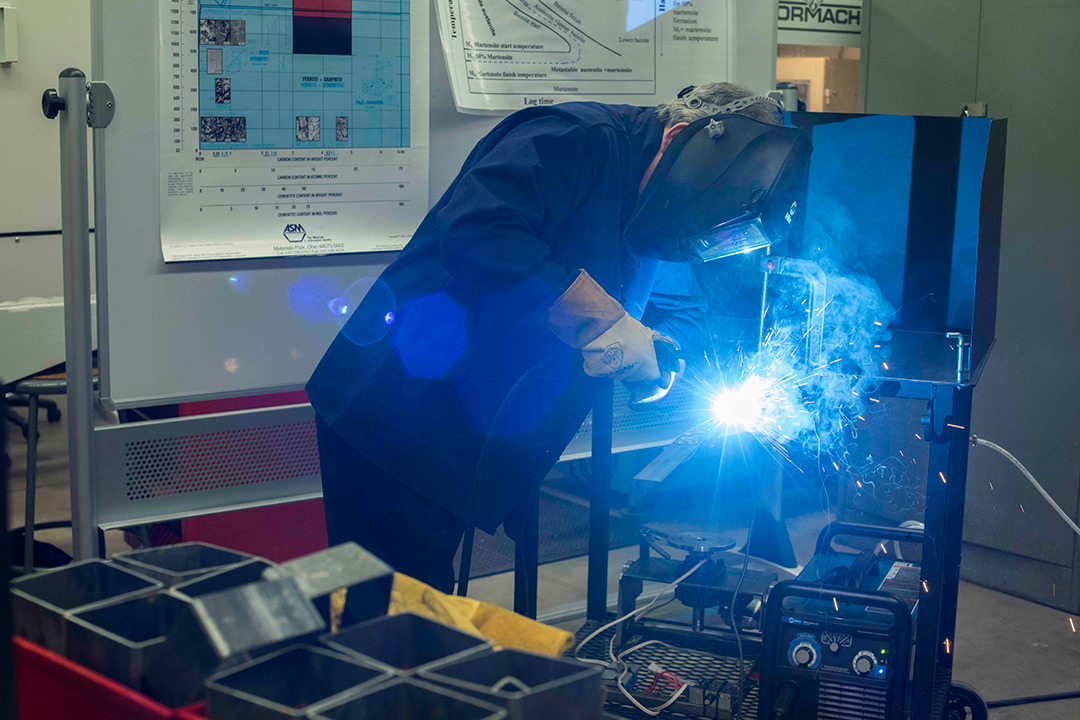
(837, 642)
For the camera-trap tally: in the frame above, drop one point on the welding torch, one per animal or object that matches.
(671, 361)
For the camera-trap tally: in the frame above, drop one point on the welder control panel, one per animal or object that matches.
(837, 651)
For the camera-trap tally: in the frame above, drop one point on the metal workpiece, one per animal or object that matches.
(409, 699)
(365, 580)
(256, 616)
(40, 602)
(227, 578)
(404, 643)
(173, 564)
(133, 642)
(527, 685)
(291, 683)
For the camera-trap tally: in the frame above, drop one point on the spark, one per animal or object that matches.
(991, 484)
(1072, 624)
(859, 484)
(948, 646)
(885, 365)
(874, 400)
(958, 427)
(1053, 589)
(918, 436)
(1022, 508)
(884, 549)
(837, 606)
(901, 453)
(877, 323)
(943, 477)
(836, 466)
(925, 587)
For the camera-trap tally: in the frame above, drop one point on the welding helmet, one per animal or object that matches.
(727, 184)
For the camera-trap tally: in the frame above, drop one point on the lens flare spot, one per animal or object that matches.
(232, 365)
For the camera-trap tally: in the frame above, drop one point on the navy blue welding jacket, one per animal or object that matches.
(443, 377)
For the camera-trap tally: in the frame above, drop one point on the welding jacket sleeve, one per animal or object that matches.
(677, 307)
(504, 212)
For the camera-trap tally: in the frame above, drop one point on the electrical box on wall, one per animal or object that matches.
(9, 45)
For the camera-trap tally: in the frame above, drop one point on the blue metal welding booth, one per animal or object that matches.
(913, 203)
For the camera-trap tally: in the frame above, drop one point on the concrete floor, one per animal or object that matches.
(1005, 647)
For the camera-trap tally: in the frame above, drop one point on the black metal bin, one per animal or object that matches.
(409, 699)
(173, 564)
(404, 643)
(527, 685)
(291, 683)
(40, 601)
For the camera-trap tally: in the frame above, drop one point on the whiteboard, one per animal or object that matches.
(183, 332)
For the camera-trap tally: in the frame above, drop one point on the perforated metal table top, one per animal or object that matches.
(688, 664)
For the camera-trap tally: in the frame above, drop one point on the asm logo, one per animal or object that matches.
(295, 232)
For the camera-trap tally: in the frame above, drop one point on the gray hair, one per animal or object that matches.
(715, 95)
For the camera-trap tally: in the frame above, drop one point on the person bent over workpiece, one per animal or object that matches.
(467, 369)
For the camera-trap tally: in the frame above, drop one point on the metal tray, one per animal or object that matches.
(231, 577)
(39, 601)
(174, 564)
(132, 642)
(290, 683)
(527, 685)
(366, 579)
(404, 643)
(409, 699)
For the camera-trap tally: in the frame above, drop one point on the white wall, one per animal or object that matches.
(52, 35)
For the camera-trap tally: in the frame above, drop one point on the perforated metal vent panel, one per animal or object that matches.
(843, 701)
(209, 461)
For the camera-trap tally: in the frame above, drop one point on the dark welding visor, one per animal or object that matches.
(727, 184)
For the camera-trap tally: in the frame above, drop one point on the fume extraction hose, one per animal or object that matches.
(975, 440)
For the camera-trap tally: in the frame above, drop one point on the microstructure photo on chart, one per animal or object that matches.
(223, 129)
(214, 62)
(307, 128)
(223, 91)
(304, 57)
(222, 32)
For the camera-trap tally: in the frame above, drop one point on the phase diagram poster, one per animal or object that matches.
(292, 127)
(506, 55)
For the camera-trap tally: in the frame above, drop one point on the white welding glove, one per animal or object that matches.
(614, 345)
(625, 351)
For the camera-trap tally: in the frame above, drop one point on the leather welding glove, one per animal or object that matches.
(613, 344)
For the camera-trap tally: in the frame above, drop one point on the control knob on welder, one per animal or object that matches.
(804, 655)
(864, 663)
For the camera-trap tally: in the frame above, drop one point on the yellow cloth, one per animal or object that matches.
(502, 627)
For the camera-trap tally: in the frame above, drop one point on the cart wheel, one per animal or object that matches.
(965, 704)
(53, 415)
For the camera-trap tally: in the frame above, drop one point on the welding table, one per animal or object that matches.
(925, 367)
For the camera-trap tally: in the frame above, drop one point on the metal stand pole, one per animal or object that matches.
(950, 421)
(69, 103)
(599, 503)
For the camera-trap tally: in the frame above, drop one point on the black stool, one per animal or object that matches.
(32, 389)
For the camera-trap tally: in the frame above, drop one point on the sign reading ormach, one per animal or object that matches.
(820, 22)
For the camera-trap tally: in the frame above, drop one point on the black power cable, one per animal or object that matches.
(1033, 699)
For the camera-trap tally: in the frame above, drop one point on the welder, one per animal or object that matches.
(462, 376)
